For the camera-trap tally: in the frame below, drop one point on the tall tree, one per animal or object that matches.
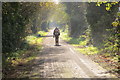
(76, 12)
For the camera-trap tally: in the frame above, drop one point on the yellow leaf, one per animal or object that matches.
(107, 8)
(115, 24)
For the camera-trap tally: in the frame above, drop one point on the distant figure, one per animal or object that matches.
(38, 35)
(56, 34)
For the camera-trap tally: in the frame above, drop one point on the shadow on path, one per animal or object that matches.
(46, 36)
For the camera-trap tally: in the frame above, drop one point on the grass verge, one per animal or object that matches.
(32, 47)
(80, 44)
(106, 60)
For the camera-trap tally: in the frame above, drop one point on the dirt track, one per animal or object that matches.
(64, 62)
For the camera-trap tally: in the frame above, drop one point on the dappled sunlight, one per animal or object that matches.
(56, 1)
(37, 58)
(61, 39)
(65, 36)
(81, 44)
(88, 50)
(36, 39)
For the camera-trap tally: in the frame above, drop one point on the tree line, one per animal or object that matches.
(22, 19)
(98, 18)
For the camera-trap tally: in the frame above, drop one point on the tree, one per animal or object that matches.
(99, 19)
(77, 23)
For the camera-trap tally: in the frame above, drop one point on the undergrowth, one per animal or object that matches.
(84, 45)
(32, 46)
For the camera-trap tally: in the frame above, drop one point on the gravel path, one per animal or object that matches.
(64, 62)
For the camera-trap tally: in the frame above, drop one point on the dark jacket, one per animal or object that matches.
(56, 32)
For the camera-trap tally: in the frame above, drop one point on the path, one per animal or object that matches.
(64, 62)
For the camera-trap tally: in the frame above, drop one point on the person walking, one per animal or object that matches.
(56, 34)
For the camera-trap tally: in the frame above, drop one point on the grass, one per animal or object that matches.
(25, 56)
(42, 33)
(65, 36)
(105, 59)
(33, 39)
(32, 46)
(80, 44)
(88, 50)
